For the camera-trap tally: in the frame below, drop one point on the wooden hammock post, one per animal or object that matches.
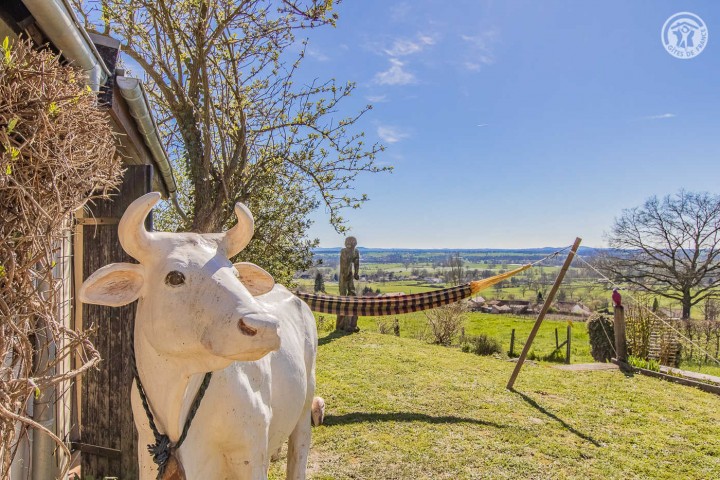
(543, 312)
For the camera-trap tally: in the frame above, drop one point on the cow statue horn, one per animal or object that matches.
(134, 239)
(237, 238)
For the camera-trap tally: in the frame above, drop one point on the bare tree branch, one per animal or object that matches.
(669, 247)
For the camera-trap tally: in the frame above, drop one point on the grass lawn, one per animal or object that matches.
(706, 368)
(399, 408)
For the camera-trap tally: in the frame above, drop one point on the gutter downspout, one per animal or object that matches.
(60, 25)
(134, 94)
(43, 447)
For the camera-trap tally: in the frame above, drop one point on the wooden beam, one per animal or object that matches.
(78, 259)
(96, 450)
(543, 312)
(97, 221)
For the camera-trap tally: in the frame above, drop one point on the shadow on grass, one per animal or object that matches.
(562, 422)
(334, 335)
(625, 368)
(362, 417)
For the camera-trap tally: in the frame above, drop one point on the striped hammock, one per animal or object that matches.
(398, 304)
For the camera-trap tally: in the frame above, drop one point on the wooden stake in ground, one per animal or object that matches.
(620, 339)
(543, 312)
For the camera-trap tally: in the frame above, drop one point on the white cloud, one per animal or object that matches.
(395, 75)
(480, 51)
(389, 134)
(659, 117)
(399, 48)
(426, 39)
(402, 46)
(376, 98)
(317, 55)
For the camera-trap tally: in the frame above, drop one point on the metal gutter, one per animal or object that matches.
(132, 91)
(60, 25)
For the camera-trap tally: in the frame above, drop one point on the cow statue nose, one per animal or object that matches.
(263, 327)
(246, 329)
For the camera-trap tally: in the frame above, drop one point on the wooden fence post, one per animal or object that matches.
(557, 340)
(512, 343)
(620, 340)
(543, 312)
(568, 343)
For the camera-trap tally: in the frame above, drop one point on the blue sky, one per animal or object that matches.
(519, 123)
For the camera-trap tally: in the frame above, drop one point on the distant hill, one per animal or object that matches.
(329, 256)
(541, 250)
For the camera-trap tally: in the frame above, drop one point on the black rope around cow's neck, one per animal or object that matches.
(162, 447)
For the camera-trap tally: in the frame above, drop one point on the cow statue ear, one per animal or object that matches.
(113, 285)
(255, 279)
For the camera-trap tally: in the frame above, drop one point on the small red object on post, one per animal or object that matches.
(616, 298)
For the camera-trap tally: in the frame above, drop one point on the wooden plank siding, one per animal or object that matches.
(106, 412)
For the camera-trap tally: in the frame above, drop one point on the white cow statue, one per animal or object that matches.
(198, 313)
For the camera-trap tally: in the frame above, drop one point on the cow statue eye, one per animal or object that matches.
(175, 278)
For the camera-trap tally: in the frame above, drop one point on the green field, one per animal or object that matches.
(399, 408)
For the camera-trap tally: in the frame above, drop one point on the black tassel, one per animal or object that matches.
(160, 452)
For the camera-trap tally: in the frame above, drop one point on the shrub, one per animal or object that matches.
(446, 322)
(637, 362)
(704, 334)
(602, 337)
(324, 324)
(57, 152)
(482, 345)
(384, 325)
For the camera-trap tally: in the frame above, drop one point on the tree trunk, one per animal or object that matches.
(686, 305)
(207, 214)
